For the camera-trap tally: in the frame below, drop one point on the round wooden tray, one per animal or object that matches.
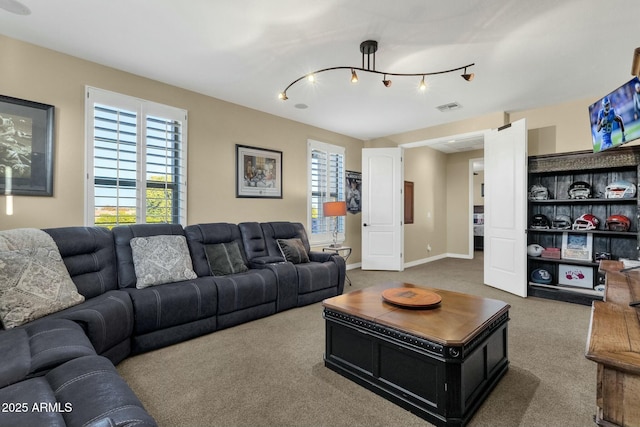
(411, 297)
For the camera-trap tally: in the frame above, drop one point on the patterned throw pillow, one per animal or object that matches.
(293, 250)
(161, 259)
(34, 281)
(225, 258)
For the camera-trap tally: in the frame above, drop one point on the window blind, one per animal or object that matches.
(326, 183)
(137, 161)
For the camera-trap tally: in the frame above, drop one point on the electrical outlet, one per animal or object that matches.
(428, 248)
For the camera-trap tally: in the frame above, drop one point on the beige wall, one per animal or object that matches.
(426, 168)
(215, 126)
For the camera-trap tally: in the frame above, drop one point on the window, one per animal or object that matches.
(136, 161)
(326, 184)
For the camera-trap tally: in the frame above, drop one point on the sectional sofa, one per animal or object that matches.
(146, 286)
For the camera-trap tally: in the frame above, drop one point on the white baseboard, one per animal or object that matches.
(425, 260)
(420, 261)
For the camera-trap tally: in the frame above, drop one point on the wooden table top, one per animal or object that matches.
(455, 321)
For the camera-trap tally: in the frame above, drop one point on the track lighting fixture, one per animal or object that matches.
(368, 48)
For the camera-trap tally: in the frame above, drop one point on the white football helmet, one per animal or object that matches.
(538, 192)
(620, 190)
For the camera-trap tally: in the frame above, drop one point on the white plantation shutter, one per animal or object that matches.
(136, 161)
(326, 184)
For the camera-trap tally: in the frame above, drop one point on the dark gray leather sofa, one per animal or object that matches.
(321, 278)
(67, 358)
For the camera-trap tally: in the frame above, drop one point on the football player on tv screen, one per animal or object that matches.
(606, 117)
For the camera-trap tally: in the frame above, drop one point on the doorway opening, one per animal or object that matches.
(476, 205)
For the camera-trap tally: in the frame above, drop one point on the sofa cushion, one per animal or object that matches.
(171, 304)
(89, 255)
(34, 281)
(225, 258)
(293, 250)
(37, 347)
(107, 321)
(161, 259)
(245, 290)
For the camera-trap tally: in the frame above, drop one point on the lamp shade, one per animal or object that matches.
(334, 208)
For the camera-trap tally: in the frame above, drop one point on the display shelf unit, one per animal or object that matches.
(557, 172)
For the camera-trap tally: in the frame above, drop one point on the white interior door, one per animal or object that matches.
(505, 191)
(382, 209)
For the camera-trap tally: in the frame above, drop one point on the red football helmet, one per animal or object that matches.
(618, 223)
(586, 222)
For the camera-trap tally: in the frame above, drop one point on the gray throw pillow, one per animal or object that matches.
(161, 259)
(225, 258)
(293, 250)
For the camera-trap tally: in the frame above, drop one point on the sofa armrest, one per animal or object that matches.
(316, 256)
(261, 262)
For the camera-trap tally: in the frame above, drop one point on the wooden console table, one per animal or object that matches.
(614, 344)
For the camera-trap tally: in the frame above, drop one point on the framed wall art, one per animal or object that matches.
(26, 147)
(577, 246)
(354, 191)
(258, 172)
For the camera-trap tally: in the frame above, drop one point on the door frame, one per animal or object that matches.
(472, 252)
(441, 139)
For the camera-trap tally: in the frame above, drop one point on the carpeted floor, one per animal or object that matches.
(270, 372)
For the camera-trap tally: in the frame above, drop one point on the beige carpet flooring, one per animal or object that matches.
(270, 372)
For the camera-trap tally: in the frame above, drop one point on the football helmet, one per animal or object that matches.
(586, 222)
(540, 275)
(540, 222)
(606, 104)
(620, 190)
(617, 223)
(580, 190)
(538, 192)
(561, 222)
(534, 249)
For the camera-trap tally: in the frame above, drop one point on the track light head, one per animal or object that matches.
(354, 76)
(467, 77)
(283, 96)
(386, 82)
(311, 78)
(422, 86)
(635, 64)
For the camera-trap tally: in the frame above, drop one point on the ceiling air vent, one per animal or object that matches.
(449, 107)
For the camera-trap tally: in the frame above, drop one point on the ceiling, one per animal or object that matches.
(528, 54)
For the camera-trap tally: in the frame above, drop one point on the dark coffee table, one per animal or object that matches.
(439, 362)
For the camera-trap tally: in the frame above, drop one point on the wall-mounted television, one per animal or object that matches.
(615, 118)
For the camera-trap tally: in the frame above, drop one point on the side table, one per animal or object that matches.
(344, 252)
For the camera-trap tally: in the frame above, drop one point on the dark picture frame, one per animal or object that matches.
(258, 172)
(26, 147)
(408, 202)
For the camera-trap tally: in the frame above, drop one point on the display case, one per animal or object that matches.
(576, 185)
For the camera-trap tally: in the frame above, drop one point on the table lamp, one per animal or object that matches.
(335, 209)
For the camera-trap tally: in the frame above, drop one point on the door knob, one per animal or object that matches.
(364, 225)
